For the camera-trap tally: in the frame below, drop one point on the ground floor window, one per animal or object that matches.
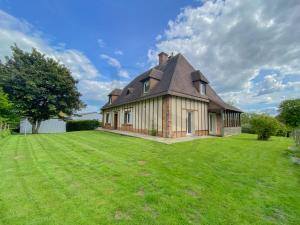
(107, 117)
(127, 117)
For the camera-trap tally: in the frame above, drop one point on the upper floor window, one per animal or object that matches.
(202, 88)
(146, 86)
(127, 117)
(109, 100)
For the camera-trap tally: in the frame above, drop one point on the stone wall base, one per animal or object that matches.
(183, 133)
(232, 131)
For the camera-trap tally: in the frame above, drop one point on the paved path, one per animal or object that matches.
(154, 138)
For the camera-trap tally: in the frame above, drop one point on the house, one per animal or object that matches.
(172, 100)
(86, 116)
(53, 125)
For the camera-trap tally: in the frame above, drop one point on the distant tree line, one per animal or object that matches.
(265, 125)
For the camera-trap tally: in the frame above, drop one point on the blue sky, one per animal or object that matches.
(249, 51)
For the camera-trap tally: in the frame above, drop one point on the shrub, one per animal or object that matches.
(247, 128)
(246, 119)
(282, 130)
(153, 132)
(77, 125)
(264, 126)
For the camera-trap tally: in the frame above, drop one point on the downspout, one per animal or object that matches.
(222, 123)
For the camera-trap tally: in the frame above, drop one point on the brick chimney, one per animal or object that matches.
(162, 58)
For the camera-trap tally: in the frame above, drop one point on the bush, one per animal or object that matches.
(282, 130)
(153, 132)
(247, 128)
(77, 125)
(264, 126)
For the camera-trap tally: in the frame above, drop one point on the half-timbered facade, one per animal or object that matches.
(170, 100)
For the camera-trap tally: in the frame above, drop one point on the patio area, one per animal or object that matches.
(155, 138)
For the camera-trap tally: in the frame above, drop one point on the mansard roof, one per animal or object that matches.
(175, 77)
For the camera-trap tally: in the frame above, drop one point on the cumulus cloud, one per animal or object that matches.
(111, 61)
(115, 63)
(14, 30)
(96, 90)
(232, 41)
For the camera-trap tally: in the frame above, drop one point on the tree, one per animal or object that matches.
(264, 126)
(5, 107)
(39, 87)
(289, 112)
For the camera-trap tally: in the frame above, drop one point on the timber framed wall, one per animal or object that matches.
(164, 116)
(179, 109)
(145, 117)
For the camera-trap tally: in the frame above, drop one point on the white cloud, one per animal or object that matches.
(26, 37)
(115, 63)
(111, 61)
(123, 73)
(101, 43)
(14, 30)
(118, 52)
(98, 90)
(232, 41)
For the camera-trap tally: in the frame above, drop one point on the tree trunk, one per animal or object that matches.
(36, 126)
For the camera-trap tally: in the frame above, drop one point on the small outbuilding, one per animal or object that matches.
(53, 125)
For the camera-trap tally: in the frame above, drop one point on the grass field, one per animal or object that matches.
(101, 178)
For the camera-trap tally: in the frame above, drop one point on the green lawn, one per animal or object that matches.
(101, 178)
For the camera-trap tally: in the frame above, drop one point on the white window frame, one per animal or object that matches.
(127, 117)
(109, 100)
(146, 83)
(202, 88)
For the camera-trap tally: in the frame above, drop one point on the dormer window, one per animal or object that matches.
(202, 88)
(109, 100)
(146, 86)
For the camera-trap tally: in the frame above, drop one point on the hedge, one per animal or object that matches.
(76, 125)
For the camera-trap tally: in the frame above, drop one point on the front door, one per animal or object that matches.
(116, 121)
(212, 123)
(189, 123)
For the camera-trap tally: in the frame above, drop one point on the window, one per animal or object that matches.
(202, 88)
(109, 100)
(127, 117)
(107, 117)
(146, 86)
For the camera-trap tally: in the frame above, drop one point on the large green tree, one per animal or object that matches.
(5, 107)
(289, 112)
(38, 86)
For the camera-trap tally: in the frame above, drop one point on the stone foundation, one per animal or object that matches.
(107, 126)
(232, 131)
(183, 133)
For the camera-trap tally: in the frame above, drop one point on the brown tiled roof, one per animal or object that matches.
(197, 75)
(175, 78)
(116, 92)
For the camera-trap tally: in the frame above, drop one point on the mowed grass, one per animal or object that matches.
(101, 178)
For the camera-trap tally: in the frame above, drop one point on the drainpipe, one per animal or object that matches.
(222, 123)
